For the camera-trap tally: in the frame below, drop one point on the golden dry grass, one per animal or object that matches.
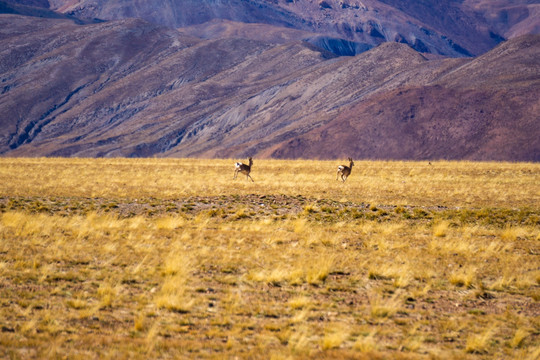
(468, 184)
(161, 258)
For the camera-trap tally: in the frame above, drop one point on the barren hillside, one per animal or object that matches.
(484, 109)
(227, 88)
(452, 28)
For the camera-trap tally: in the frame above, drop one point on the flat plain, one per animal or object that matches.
(172, 258)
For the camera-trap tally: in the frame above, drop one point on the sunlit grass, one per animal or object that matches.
(167, 258)
(394, 182)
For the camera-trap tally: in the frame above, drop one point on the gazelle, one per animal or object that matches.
(244, 169)
(344, 170)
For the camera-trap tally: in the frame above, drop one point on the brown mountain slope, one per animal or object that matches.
(37, 8)
(485, 109)
(218, 28)
(130, 88)
(49, 66)
(508, 18)
(453, 28)
(298, 103)
(124, 88)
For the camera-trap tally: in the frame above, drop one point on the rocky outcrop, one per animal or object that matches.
(338, 46)
(324, 4)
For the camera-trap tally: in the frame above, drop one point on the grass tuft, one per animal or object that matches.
(480, 343)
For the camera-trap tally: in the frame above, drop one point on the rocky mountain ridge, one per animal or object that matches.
(450, 28)
(131, 88)
(71, 85)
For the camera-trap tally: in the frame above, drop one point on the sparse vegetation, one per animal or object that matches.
(110, 258)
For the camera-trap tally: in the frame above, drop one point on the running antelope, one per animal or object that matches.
(344, 171)
(244, 169)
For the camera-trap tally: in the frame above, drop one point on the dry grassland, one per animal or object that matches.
(161, 258)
